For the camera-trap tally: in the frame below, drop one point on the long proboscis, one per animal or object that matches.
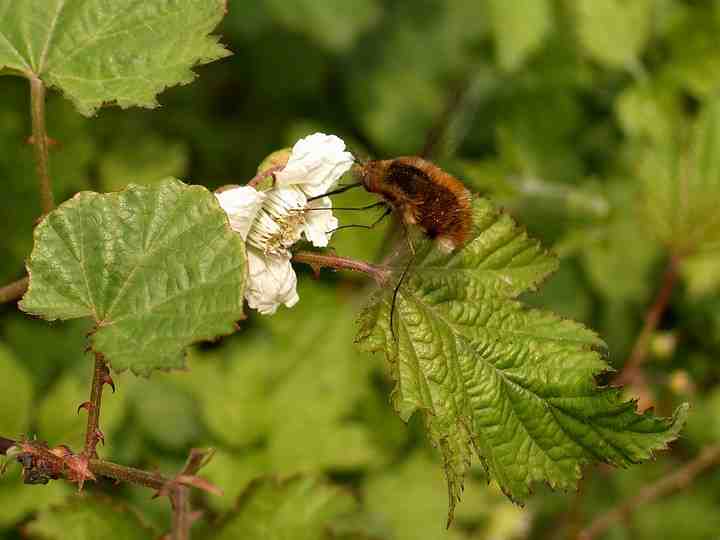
(336, 191)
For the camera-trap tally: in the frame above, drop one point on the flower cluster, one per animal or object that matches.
(272, 221)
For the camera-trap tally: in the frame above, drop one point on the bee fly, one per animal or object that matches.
(423, 195)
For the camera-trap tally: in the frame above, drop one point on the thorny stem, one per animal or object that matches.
(40, 142)
(317, 261)
(98, 467)
(680, 479)
(13, 291)
(631, 372)
(92, 432)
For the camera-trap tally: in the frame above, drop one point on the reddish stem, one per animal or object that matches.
(680, 479)
(631, 371)
(40, 142)
(318, 261)
(92, 433)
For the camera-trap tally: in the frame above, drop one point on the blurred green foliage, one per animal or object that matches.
(582, 118)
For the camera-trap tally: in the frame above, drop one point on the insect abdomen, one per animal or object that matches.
(439, 202)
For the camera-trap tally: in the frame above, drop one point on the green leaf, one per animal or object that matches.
(243, 395)
(681, 181)
(15, 395)
(301, 508)
(614, 32)
(648, 111)
(156, 268)
(512, 385)
(621, 246)
(334, 26)
(405, 498)
(89, 518)
(122, 51)
(519, 29)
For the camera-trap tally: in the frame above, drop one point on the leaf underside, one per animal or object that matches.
(98, 51)
(156, 268)
(492, 378)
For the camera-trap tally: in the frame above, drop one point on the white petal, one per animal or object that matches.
(241, 204)
(316, 163)
(271, 282)
(319, 223)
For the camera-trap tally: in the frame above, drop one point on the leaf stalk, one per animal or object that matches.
(40, 142)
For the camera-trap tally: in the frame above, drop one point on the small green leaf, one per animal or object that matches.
(156, 268)
(519, 29)
(614, 32)
(301, 508)
(89, 518)
(681, 181)
(512, 385)
(122, 51)
(15, 395)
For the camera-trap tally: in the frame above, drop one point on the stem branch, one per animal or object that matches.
(40, 142)
(631, 370)
(680, 479)
(317, 261)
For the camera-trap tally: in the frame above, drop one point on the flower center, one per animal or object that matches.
(279, 223)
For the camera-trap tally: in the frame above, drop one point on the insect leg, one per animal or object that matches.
(395, 293)
(387, 211)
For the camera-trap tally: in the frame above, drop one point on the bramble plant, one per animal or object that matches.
(158, 267)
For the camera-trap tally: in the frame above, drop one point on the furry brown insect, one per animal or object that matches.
(424, 195)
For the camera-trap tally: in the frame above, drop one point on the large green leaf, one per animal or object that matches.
(301, 508)
(89, 519)
(514, 386)
(519, 29)
(156, 268)
(98, 51)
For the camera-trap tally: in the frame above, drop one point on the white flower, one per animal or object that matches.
(316, 163)
(272, 221)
